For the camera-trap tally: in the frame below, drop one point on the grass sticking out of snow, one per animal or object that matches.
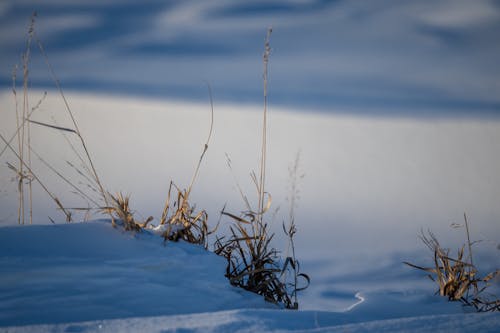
(261, 271)
(458, 279)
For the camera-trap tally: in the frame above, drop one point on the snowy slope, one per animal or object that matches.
(60, 273)
(90, 277)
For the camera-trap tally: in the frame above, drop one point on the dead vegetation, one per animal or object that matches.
(25, 174)
(457, 277)
(252, 263)
(291, 267)
(121, 210)
(184, 222)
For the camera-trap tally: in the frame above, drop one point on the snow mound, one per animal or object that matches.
(90, 271)
(91, 277)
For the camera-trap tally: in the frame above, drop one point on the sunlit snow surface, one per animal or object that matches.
(370, 186)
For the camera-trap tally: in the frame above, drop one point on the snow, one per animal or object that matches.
(53, 274)
(91, 277)
(379, 181)
(260, 321)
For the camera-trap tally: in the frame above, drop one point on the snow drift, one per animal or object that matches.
(90, 277)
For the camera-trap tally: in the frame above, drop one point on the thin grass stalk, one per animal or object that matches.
(23, 121)
(65, 129)
(166, 207)
(77, 154)
(16, 103)
(183, 221)
(20, 123)
(90, 184)
(262, 178)
(61, 129)
(65, 179)
(56, 200)
(28, 129)
(68, 109)
(18, 134)
(470, 250)
(24, 132)
(243, 196)
(30, 182)
(205, 147)
(468, 239)
(290, 233)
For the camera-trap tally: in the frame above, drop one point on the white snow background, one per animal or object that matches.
(370, 185)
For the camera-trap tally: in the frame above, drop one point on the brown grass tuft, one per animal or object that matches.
(184, 222)
(457, 278)
(252, 263)
(121, 210)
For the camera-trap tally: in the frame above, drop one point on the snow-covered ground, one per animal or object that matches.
(88, 271)
(90, 277)
(370, 185)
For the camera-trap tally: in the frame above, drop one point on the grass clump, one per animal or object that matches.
(457, 277)
(184, 222)
(121, 210)
(252, 263)
(116, 206)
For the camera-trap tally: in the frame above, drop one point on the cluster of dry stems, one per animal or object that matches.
(458, 279)
(251, 261)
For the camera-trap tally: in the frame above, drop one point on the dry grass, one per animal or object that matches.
(194, 225)
(457, 278)
(25, 179)
(93, 174)
(184, 222)
(292, 265)
(252, 263)
(32, 174)
(121, 210)
(24, 171)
